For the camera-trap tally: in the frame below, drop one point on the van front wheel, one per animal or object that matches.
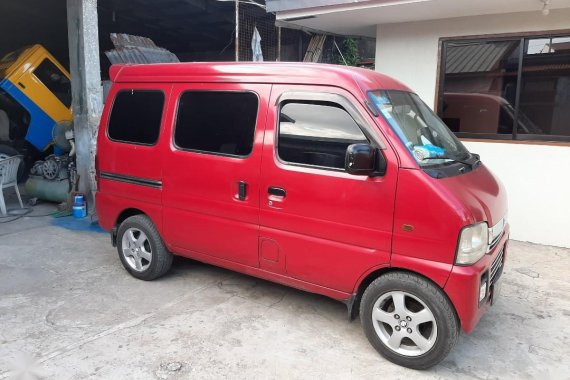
(408, 320)
(141, 248)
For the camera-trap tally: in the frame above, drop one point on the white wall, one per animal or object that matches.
(409, 51)
(537, 177)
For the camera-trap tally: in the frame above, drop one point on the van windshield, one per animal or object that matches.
(427, 138)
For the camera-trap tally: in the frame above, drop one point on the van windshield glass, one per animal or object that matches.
(427, 138)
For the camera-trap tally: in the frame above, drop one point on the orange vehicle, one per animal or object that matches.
(35, 96)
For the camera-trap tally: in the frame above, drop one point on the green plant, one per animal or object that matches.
(350, 52)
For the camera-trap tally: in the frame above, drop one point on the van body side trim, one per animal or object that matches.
(132, 180)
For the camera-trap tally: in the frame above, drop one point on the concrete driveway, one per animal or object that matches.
(68, 310)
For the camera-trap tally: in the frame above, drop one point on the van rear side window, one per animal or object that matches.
(136, 116)
(216, 122)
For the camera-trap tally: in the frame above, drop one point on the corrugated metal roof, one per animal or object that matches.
(140, 55)
(136, 49)
(476, 57)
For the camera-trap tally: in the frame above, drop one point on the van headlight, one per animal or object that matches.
(473, 242)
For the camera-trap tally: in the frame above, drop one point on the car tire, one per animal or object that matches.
(409, 320)
(141, 249)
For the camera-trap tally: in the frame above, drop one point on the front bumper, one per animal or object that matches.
(464, 282)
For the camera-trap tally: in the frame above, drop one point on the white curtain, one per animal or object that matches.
(256, 46)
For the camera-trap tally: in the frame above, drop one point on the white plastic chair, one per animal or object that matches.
(9, 178)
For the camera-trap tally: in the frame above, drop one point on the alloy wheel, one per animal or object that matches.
(404, 323)
(136, 249)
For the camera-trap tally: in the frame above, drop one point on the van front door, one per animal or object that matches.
(320, 224)
(211, 171)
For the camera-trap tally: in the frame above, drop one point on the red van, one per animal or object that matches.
(334, 180)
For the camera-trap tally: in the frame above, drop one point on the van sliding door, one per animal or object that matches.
(211, 171)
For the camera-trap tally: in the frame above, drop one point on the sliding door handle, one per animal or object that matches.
(242, 190)
(276, 191)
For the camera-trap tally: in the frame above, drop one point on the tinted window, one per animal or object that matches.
(217, 122)
(480, 86)
(487, 89)
(545, 88)
(316, 134)
(55, 80)
(136, 116)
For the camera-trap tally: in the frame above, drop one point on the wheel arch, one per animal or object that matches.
(123, 215)
(353, 303)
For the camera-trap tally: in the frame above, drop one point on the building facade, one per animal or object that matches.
(498, 74)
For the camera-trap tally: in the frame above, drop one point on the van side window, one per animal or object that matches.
(216, 122)
(55, 80)
(316, 133)
(136, 116)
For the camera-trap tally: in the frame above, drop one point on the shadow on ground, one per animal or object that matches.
(68, 310)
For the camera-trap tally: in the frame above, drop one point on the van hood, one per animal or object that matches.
(481, 193)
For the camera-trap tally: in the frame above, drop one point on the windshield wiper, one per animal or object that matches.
(452, 159)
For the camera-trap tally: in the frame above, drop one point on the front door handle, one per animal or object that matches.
(277, 191)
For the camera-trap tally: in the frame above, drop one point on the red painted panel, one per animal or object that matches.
(134, 160)
(462, 287)
(201, 210)
(331, 226)
(435, 271)
(271, 256)
(482, 194)
(110, 206)
(350, 78)
(434, 213)
(266, 275)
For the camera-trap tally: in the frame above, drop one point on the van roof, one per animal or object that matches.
(254, 72)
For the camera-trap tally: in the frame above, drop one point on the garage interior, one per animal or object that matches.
(193, 30)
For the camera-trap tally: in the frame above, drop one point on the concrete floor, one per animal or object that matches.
(68, 310)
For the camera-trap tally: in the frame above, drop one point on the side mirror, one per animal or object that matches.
(360, 159)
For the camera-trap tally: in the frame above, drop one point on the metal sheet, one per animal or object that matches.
(138, 50)
(476, 57)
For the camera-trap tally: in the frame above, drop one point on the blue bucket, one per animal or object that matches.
(79, 207)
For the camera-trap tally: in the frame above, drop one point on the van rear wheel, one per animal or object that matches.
(408, 320)
(141, 248)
